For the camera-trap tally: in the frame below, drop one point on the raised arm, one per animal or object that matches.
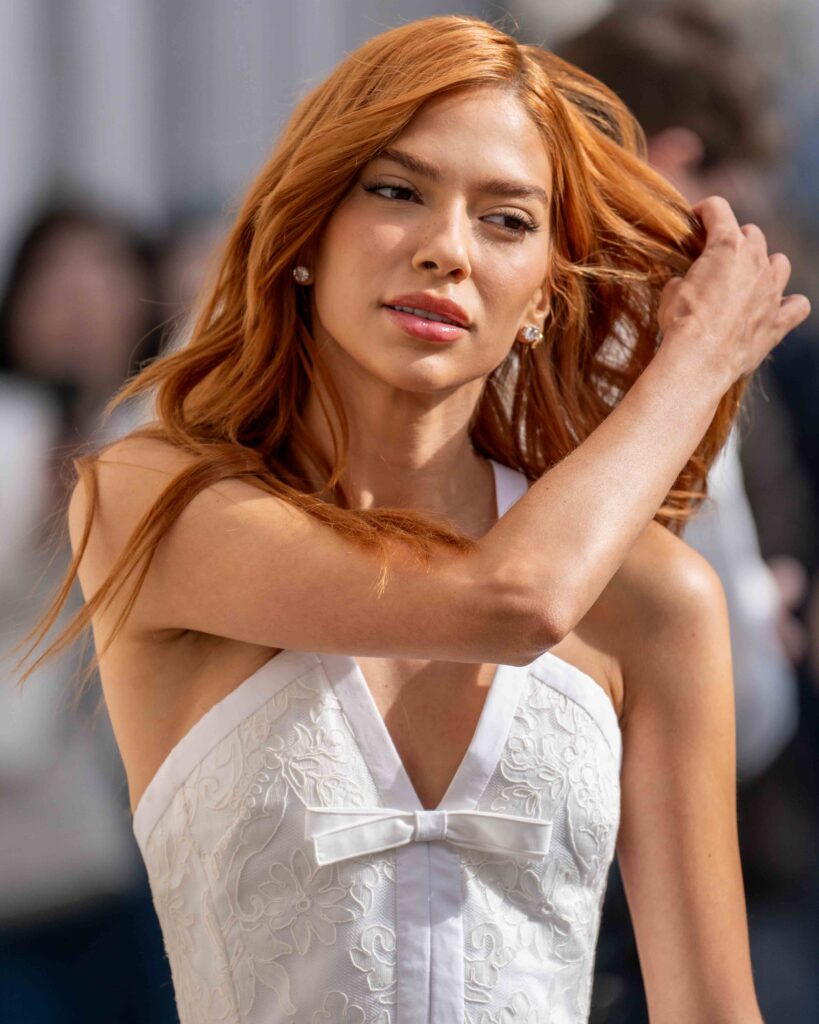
(574, 527)
(242, 564)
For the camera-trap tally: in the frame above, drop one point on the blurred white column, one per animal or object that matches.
(25, 125)
(229, 87)
(548, 23)
(108, 102)
(319, 39)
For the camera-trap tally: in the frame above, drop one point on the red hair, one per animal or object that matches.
(233, 396)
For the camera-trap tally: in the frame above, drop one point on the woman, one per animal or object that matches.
(432, 348)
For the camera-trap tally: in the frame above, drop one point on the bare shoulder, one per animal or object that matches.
(130, 469)
(664, 608)
(144, 454)
(130, 476)
(128, 472)
(663, 578)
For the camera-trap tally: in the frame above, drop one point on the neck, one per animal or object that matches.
(412, 450)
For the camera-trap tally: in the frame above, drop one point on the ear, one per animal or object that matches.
(537, 309)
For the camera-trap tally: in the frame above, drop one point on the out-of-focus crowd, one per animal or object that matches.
(88, 298)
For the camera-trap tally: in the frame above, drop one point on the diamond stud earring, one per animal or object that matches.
(302, 274)
(531, 335)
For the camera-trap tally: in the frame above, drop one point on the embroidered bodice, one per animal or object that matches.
(297, 877)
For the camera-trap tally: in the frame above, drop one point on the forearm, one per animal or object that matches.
(567, 536)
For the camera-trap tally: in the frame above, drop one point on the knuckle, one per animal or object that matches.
(755, 237)
(728, 236)
(754, 233)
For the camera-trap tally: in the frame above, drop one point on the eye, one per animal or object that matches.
(521, 224)
(378, 186)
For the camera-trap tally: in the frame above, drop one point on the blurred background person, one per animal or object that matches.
(712, 128)
(78, 938)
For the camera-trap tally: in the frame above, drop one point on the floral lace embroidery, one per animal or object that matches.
(256, 931)
(557, 765)
(298, 747)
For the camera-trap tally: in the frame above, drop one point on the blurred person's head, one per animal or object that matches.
(703, 101)
(77, 305)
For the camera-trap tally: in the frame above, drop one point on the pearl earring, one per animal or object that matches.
(531, 335)
(302, 274)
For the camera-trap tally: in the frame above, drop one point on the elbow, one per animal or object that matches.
(530, 624)
(546, 630)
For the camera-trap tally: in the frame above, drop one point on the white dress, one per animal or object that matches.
(297, 877)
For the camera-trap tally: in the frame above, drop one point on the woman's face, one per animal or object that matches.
(458, 210)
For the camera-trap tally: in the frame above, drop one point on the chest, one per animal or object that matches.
(156, 693)
(431, 711)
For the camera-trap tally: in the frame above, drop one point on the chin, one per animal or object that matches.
(398, 364)
(420, 377)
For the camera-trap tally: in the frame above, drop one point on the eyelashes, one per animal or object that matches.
(523, 224)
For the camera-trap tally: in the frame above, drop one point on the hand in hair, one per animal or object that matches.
(729, 307)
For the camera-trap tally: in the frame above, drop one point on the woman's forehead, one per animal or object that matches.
(488, 129)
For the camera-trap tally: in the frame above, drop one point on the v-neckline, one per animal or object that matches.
(486, 745)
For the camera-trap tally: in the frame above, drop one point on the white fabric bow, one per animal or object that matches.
(342, 832)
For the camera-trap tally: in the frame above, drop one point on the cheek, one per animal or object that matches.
(351, 232)
(506, 296)
(368, 254)
(508, 284)
(354, 267)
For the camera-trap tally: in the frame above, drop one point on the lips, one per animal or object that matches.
(420, 303)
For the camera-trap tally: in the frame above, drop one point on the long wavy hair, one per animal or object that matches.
(233, 396)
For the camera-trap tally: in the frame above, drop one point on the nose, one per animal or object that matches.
(443, 247)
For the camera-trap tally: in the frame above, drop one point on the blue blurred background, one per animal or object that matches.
(129, 130)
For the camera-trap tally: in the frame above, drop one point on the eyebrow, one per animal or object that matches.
(493, 186)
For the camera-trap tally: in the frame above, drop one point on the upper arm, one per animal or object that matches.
(678, 846)
(244, 564)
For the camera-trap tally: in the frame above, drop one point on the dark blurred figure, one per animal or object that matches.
(77, 314)
(712, 130)
(187, 256)
(79, 942)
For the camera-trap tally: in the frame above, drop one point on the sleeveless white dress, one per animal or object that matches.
(297, 877)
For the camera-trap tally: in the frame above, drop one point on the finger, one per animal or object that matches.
(717, 216)
(793, 310)
(754, 233)
(781, 269)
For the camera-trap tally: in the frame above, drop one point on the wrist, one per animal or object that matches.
(680, 359)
